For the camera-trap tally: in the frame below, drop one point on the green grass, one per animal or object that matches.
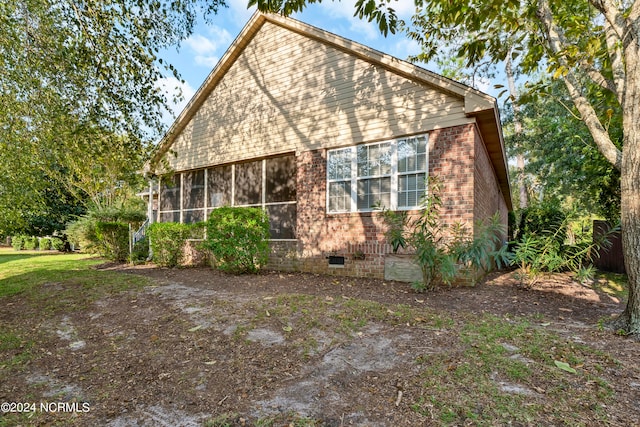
(54, 279)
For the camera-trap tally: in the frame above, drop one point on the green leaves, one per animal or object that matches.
(79, 103)
(238, 238)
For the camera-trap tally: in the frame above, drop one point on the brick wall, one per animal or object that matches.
(451, 158)
(487, 194)
(359, 237)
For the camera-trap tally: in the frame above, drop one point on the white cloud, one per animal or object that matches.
(208, 48)
(404, 48)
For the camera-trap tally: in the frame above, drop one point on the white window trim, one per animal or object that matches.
(394, 176)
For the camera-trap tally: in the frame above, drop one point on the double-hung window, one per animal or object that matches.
(389, 174)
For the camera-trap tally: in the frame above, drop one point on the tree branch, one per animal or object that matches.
(599, 79)
(584, 107)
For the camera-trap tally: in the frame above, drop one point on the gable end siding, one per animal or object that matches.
(287, 92)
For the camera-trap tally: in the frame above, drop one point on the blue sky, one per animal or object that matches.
(199, 53)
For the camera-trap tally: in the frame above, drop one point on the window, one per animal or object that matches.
(270, 183)
(387, 174)
(412, 166)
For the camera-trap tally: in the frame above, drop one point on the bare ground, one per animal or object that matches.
(203, 348)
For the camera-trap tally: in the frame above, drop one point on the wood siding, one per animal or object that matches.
(288, 92)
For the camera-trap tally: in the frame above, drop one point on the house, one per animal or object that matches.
(319, 130)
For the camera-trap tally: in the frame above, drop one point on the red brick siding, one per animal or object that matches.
(487, 194)
(355, 236)
(451, 159)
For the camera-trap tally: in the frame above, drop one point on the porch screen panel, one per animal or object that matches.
(193, 197)
(170, 198)
(219, 186)
(193, 216)
(170, 216)
(282, 221)
(280, 179)
(248, 183)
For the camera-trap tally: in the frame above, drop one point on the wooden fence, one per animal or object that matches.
(611, 259)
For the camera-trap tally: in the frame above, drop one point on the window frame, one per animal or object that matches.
(393, 175)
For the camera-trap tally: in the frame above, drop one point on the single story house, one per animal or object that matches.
(319, 131)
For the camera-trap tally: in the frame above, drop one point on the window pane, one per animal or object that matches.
(339, 164)
(374, 159)
(282, 221)
(248, 183)
(193, 216)
(281, 179)
(374, 193)
(170, 193)
(219, 183)
(411, 188)
(340, 196)
(412, 155)
(193, 186)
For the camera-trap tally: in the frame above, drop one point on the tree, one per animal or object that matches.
(563, 162)
(584, 43)
(79, 101)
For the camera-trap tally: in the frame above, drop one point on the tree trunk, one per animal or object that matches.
(629, 320)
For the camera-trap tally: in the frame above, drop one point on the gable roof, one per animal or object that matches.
(477, 104)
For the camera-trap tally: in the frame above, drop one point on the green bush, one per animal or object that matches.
(45, 243)
(238, 239)
(140, 250)
(446, 253)
(17, 242)
(167, 242)
(113, 240)
(30, 243)
(57, 244)
(84, 232)
(544, 219)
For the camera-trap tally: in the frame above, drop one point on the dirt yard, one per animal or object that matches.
(202, 348)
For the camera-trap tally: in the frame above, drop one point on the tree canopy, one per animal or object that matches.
(79, 96)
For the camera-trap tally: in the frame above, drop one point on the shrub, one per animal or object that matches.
(238, 239)
(140, 250)
(549, 251)
(113, 240)
(544, 219)
(30, 243)
(57, 244)
(17, 242)
(445, 252)
(428, 237)
(167, 242)
(83, 232)
(45, 243)
(476, 252)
